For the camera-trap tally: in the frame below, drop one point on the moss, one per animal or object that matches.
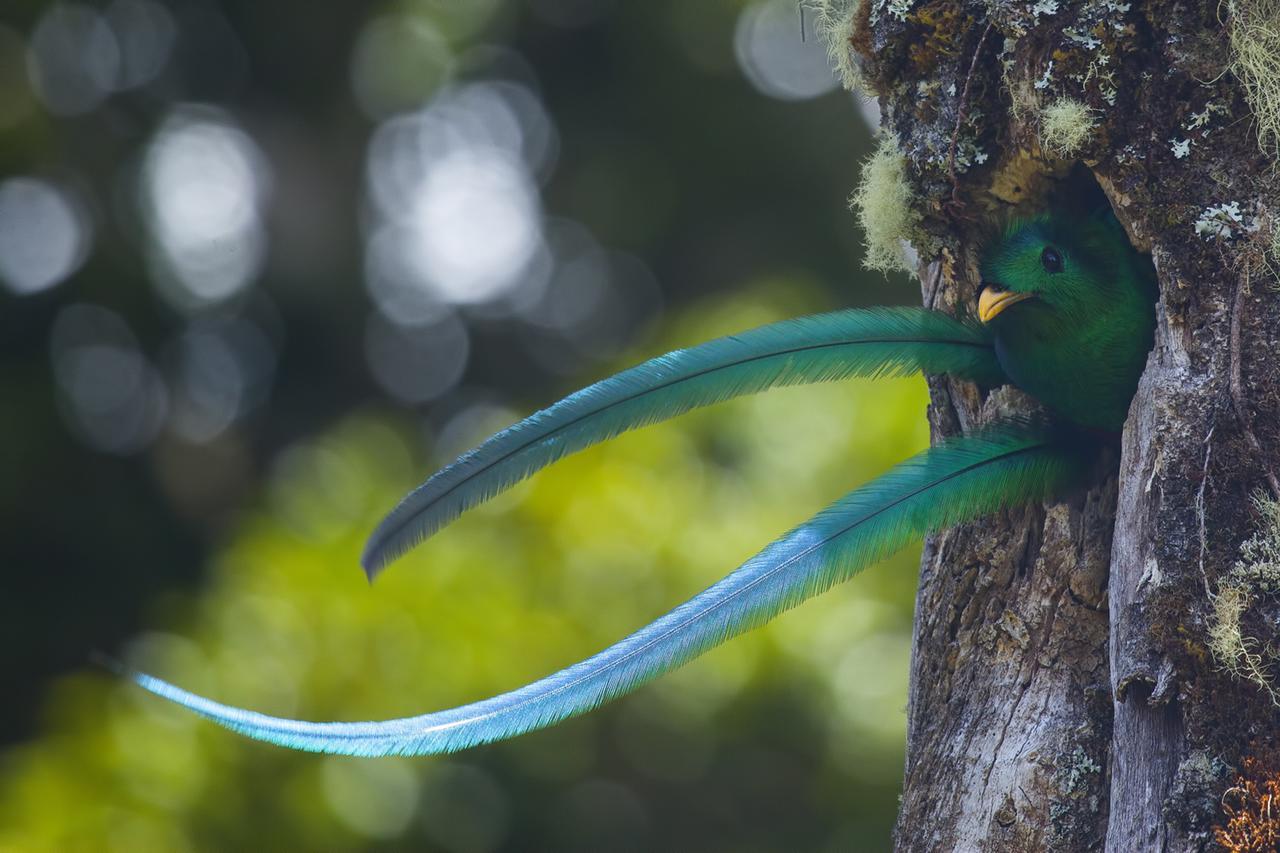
(939, 28)
(1065, 126)
(883, 202)
(835, 23)
(1255, 61)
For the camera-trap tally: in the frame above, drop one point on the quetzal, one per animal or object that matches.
(1066, 313)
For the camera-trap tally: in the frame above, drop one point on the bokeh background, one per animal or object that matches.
(265, 265)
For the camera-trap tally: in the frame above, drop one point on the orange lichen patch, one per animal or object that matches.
(1252, 809)
(939, 24)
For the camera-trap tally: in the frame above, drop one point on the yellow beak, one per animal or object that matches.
(991, 301)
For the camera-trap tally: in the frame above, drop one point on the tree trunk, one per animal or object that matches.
(1064, 694)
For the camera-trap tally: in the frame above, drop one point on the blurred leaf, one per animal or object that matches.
(591, 549)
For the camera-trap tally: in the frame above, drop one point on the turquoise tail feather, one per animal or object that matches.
(960, 480)
(839, 345)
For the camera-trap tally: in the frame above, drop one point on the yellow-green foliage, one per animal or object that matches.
(544, 575)
(834, 24)
(1065, 126)
(1257, 572)
(1255, 60)
(883, 202)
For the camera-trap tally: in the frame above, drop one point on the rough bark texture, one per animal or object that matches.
(1063, 694)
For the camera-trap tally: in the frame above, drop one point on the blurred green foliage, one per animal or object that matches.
(787, 738)
(711, 178)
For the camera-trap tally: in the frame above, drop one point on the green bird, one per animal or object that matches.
(1066, 312)
(1085, 315)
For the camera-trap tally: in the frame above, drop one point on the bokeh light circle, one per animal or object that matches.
(44, 235)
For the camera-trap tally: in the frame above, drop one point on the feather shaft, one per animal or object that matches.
(960, 480)
(839, 345)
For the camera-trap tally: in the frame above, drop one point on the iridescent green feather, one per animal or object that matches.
(839, 345)
(962, 479)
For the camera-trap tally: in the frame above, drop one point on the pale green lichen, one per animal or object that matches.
(1065, 126)
(1084, 39)
(1257, 572)
(1044, 7)
(1087, 54)
(1075, 769)
(899, 9)
(1255, 61)
(1200, 121)
(883, 202)
(1259, 563)
(834, 21)
(1226, 222)
(1046, 78)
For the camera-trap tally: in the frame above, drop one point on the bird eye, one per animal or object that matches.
(1051, 259)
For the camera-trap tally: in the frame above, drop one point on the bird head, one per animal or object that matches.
(1057, 266)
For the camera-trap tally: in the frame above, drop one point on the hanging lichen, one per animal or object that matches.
(1065, 126)
(1256, 573)
(1255, 61)
(834, 23)
(883, 203)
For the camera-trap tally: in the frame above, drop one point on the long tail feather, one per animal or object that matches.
(962, 479)
(867, 342)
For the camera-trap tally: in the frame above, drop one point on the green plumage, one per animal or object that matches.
(1067, 311)
(839, 345)
(963, 478)
(1080, 342)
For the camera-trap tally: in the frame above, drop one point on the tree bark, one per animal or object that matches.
(1063, 693)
